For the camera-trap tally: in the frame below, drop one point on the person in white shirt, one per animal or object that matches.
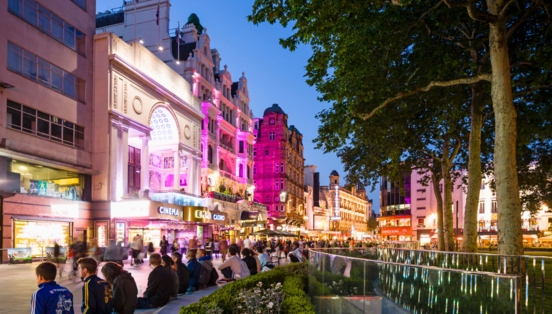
(234, 266)
(246, 244)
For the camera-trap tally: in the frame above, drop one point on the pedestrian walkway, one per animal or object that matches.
(19, 282)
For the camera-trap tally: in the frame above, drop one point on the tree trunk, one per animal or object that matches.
(435, 179)
(447, 208)
(469, 243)
(507, 187)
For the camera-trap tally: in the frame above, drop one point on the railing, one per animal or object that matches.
(534, 285)
(354, 281)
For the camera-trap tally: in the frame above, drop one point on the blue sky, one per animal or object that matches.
(274, 75)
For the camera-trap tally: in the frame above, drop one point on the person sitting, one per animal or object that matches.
(167, 262)
(208, 274)
(264, 258)
(182, 272)
(250, 262)
(124, 288)
(234, 266)
(96, 292)
(46, 299)
(158, 292)
(194, 267)
(295, 255)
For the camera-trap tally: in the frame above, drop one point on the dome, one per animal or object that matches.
(274, 109)
(193, 19)
(334, 173)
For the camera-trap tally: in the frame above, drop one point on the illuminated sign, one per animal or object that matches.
(218, 217)
(283, 197)
(130, 209)
(168, 211)
(65, 210)
(201, 214)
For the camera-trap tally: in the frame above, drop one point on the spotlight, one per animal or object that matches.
(160, 48)
(141, 41)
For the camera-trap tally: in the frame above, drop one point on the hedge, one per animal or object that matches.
(292, 276)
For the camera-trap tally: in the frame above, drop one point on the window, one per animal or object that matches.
(277, 184)
(281, 184)
(271, 121)
(49, 23)
(282, 167)
(254, 151)
(277, 167)
(271, 136)
(266, 152)
(493, 207)
(240, 170)
(241, 147)
(481, 207)
(276, 208)
(39, 70)
(421, 222)
(134, 167)
(41, 124)
(210, 154)
(276, 199)
(254, 169)
(267, 199)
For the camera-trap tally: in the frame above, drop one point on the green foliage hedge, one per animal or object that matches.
(292, 276)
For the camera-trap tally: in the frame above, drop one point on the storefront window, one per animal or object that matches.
(39, 235)
(46, 181)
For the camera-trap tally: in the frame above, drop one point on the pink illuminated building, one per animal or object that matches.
(278, 170)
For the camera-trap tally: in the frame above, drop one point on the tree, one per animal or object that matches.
(372, 223)
(384, 42)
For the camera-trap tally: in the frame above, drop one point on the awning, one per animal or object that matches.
(249, 215)
(254, 223)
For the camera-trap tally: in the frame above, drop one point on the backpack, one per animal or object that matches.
(204, 274)
(214, 277)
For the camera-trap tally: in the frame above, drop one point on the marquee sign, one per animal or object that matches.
(168, 211)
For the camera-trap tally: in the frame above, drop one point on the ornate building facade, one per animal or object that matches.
(278, 171)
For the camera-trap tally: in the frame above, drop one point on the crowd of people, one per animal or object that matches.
(170, 276)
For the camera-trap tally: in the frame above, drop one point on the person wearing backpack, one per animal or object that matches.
(206, 276)
(194, 267)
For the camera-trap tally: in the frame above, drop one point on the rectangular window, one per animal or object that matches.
(46, 21)
(266, 152)
(481, 207)
(493, 207)
(421, 222)
(271, 136)
(41, 124)
(254, 169)
(241, 147)
(277, 167)
(282, 167)
(134, 168)
(277, 184)
(254, 151)
(29, 65)
(281, 184)
(80, 3)
(276, 208)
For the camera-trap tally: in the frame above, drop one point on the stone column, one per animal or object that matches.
(144, 163)
(118, 160)
(176, 182)
(124, 148)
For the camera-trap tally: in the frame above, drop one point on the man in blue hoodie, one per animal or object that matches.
(194, 267)
(97, 295)
(50, 298)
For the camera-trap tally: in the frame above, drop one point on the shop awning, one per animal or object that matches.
(254, 223)
(249, 215)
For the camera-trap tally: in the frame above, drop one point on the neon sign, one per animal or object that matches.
(201, 214)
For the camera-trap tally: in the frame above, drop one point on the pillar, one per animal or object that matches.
(118, 160)
(176, 182)
(144, 163)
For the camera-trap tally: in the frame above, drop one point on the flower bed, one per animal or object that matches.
(230, 298)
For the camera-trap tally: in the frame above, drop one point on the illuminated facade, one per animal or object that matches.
(349, 208)
(46, 136)
(278, 170)
(225, 131)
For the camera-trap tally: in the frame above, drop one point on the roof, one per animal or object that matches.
(274, 109)
(293, 128)
(185, 49)
(193, 19)
(334, 173)
(106, 19)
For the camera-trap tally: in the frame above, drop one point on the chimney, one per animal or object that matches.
(316, 190)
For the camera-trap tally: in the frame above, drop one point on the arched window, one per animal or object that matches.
(210, 154)
(221, 165)
(240, 173)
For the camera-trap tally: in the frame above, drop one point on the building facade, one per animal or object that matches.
(349, 208)
(278, 171)
(46, 141)
(226, 134)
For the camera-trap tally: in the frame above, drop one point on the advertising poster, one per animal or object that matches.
(120, 232)
(50, 254)
(36, 235)
(101, 233)
(20, 255)
(42, 188)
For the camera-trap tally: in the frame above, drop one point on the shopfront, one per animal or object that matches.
(153, 220)
(397, 233)
(39, 234)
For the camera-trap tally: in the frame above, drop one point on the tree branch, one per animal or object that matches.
(461, 81)
(473, 11)
(522, 20)
(502, 13)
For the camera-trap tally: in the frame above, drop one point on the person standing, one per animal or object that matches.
(246, 244)
(163, 244)
(208, 247)
(182, 272)
(50, 298)
(223, 247)
(97, 296)
(192, 244)
(136, 248)
(181, 244)
(150, 248)
(158, 292)
(175, 247)
(124, 288)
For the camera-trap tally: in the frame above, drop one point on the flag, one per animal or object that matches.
(157, 15)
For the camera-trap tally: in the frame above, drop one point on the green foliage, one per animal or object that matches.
(225, 298)
(372, 223)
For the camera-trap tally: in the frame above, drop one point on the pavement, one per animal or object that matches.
(19, 283)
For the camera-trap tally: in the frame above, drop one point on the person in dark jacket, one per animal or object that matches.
(167, 262)
(163, 244)
(182, 272)
(249, 261)
(124, 288)
(113, 253)
(158, 292)
(50, 298)
(97, 296)
(194, 267)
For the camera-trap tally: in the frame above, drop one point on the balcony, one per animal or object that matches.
(228, 148)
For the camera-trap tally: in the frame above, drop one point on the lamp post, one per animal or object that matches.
(456, 225)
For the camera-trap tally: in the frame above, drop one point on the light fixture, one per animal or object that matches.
(177, 62)
(141, 41)
(160, 48)
(6, 85)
